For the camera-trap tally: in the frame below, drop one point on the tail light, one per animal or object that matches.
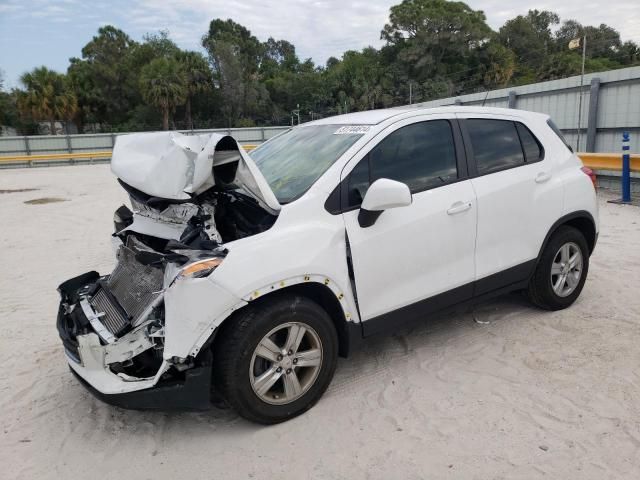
(590, 173)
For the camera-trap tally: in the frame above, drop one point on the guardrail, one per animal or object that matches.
(608, 161)
(595, 161)
(58, 158)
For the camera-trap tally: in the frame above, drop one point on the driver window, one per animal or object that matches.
(422, 155)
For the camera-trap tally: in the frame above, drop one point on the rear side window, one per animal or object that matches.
(530, 145)
(421, 155)
(496, 145)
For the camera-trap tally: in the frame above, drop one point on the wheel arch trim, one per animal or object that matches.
(337, 302)
(567, 220)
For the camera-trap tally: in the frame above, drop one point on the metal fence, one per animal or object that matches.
(90, 142)
(610, 105)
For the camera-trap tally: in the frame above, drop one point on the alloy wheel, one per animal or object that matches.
(566, 269)
(285, 363)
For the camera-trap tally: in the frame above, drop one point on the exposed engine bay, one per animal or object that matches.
(214, 217)
(227, 204)
(190, 195)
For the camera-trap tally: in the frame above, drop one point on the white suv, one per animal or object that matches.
(247, 276)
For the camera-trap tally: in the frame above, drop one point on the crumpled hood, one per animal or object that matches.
(175, 166)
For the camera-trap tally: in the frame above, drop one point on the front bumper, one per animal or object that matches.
(193, 392)
(92, 358)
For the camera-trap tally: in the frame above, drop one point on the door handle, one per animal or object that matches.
(542, 177)
(459, 207)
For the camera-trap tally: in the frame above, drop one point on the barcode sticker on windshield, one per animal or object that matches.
(352, 130)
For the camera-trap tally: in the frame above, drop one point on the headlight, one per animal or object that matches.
(201, 268)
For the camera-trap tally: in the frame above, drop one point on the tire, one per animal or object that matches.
(242, 370)
(546, 288)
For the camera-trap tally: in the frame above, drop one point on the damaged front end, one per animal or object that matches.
(137, 337)
(113, 331)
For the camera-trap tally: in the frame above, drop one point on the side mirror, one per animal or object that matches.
(382, 195)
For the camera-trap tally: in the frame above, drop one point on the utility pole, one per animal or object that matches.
(410, 93)
(584, 54)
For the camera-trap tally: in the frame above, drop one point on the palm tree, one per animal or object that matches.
(198, 79)
(163, 85)
(47, 96)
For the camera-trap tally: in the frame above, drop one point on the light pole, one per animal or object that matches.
(584, 53)
(575, 43)
(296, 112)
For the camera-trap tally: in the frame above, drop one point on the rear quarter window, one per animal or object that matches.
(531, 147)
(559, 134)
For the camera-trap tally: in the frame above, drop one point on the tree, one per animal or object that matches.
(434, 37)
(197, 77)
(107, 77)
(278, 56)
(499, 64)
(362, 79)
(163, 84)
(47, 97)
(154, 45)
(629, 53)
(530, 38)
(235, 55)
(433, 49)
(602, 41)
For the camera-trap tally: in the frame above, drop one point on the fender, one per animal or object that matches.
(339, 303)
(580, 214)
(344, 298)
(350, 332)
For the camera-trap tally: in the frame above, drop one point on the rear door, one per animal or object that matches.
(416, 252)
(518, 196)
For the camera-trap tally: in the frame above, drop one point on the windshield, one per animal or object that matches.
(295, 159)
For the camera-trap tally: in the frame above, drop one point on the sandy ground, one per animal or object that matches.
(528, 394)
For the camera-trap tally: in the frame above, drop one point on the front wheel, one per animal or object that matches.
(561, 270)
(276, 358)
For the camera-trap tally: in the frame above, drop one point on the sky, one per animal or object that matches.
(49, 32)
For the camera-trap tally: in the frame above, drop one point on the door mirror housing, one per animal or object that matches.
(382, 195)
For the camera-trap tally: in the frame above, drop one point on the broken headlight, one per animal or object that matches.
(199, 269)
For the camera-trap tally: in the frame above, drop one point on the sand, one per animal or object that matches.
(529, 394)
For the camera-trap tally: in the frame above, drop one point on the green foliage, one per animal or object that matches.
(163, 84)
(105, 77)
(235, 56)
(433, 49)
(47, 97)
(198, 79)
(434, 37)
(529, 37)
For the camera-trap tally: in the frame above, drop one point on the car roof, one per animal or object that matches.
(374, 117)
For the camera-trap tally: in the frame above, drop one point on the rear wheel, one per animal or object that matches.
(276, 358)
(561, 270)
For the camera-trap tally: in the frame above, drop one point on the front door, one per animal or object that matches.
(422, 255)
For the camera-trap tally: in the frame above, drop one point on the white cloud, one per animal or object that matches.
(318, 28)
(324, 28)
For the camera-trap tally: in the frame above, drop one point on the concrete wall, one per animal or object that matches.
(45, 144)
